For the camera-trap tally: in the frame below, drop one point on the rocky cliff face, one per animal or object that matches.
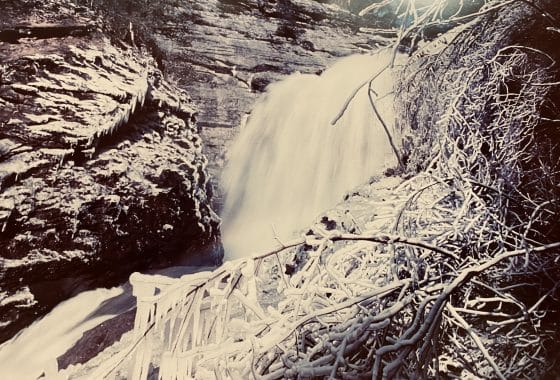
(101, 164)
(102, 168)
(225, 53)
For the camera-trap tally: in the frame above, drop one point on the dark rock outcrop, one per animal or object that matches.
(97, 339)
(101, 170)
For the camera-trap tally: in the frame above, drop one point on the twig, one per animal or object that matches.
(354, 93)
(393, 239)
(374, 108)
(461, 322)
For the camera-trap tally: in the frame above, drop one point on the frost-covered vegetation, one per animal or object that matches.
(451, 272)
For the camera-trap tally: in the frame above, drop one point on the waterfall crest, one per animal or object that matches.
(289, 163)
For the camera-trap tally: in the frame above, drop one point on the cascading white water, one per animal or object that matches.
(289, 163)
(34, 350)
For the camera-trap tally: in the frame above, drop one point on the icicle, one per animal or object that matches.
(168, 366)
(181, 373)
(144, 291)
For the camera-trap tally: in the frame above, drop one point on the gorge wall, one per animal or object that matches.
(101, 164)
(224, 53)
(105, 167)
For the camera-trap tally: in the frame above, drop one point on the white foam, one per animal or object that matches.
(34, 350)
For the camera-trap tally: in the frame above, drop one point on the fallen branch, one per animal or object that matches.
(354, 93)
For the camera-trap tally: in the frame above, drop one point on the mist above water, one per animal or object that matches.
(289, 163)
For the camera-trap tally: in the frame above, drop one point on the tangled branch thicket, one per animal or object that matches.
(458, 273)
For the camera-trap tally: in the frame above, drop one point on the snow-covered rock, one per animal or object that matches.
(101, 164)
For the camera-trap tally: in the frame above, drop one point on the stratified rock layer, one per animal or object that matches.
(101, 171)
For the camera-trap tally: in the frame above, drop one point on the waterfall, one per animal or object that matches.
(289, 163)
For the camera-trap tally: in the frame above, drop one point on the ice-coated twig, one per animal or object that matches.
(461, 322)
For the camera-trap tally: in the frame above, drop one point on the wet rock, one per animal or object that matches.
(101, 171)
